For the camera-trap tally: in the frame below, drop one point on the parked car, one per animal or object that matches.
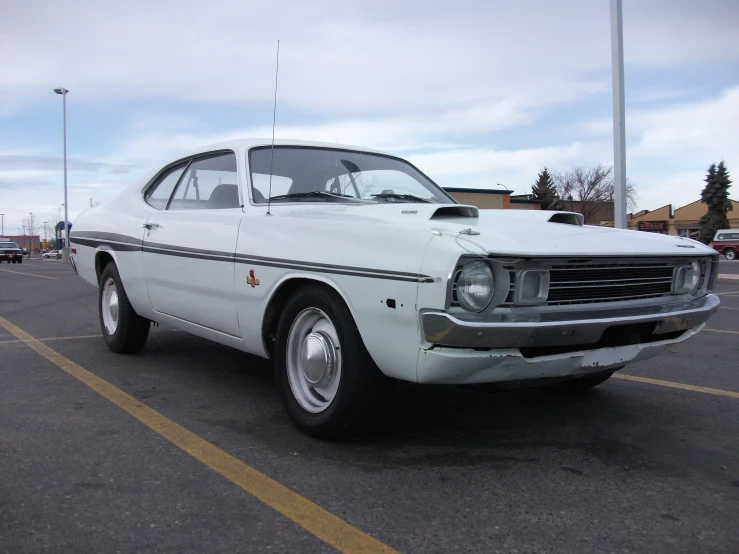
(52, 254)
(350, 268)
(726, 241)
(10, 251)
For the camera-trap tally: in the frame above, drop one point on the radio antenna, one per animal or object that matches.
(274, 118)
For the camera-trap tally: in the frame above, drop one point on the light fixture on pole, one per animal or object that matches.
(65, 250)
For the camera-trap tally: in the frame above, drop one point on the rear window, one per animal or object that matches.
(728, 236)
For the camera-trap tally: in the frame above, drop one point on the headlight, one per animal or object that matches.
(475, 286)
(687, 278)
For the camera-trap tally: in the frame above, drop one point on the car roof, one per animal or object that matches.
(247, 143)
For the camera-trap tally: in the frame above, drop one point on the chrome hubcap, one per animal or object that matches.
(110, 306)
(313, 360)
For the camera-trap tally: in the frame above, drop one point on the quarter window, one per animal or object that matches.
(159, 193)
(208, 184)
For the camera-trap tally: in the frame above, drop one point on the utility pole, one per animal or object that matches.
(31, 226)
(2, 219)
(619, 109)
(65, 250)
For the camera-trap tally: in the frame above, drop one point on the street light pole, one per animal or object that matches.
(619, 123)
(30, 234)
(65, 250)
(2, 219)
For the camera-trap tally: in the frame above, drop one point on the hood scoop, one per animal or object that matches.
(452, 212)
(567, 218)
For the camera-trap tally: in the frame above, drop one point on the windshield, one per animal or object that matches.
(8, 245)
(307, 174)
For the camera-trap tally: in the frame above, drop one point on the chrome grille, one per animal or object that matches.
(583, 284)
(608, 281)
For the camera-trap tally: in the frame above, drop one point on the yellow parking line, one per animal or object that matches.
(52, 338)
(672, 384)
(722, 331)
(31, 274)
(326, 526)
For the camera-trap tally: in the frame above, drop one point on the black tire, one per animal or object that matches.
(132, 330)
(362, 391)
(581, 384)
(20, 260)
(730, 254)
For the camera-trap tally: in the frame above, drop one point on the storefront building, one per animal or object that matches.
(683, 222)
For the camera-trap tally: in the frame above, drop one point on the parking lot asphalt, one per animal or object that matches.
(185, 447)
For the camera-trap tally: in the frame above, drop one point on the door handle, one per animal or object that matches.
(151, 226)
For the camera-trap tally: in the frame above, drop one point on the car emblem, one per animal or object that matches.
(251, 280)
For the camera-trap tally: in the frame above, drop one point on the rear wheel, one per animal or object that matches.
(328, 383)
(124, 331)
(730, 254)
(583, 383)
(20, 260)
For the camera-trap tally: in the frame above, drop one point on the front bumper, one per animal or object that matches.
(561, 329)
(458, 366)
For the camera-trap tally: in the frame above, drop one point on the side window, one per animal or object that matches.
(209, 184)
(158, 194)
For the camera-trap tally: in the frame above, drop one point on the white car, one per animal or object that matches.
(360, 270)
(52, 254)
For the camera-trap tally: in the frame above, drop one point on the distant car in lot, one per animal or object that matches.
(350, 268)
(10, 251)
(726, 241)
(52, 254)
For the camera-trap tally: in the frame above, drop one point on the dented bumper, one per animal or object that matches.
(444, 365)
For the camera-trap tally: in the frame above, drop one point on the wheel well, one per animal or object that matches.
(101, 260)
(276, 305)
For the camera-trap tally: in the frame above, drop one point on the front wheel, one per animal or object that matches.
(124, 331)
(328, 383)
(20, 260)
(730, 254)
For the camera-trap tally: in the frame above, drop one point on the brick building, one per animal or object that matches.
(32, 243)
(495, 199)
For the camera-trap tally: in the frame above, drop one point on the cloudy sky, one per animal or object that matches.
(475, 93)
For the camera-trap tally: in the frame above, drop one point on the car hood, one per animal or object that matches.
(510, 232)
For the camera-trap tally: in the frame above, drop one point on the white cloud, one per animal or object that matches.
(365, 56)
(709, 127)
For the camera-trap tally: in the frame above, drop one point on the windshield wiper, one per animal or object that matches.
(406, 197)
(314, 194)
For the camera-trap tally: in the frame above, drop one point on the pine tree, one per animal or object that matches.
(545, 191)
(716, 196)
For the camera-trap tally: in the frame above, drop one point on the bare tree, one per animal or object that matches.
(587, 189)
(346, 184)
(31, 224)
